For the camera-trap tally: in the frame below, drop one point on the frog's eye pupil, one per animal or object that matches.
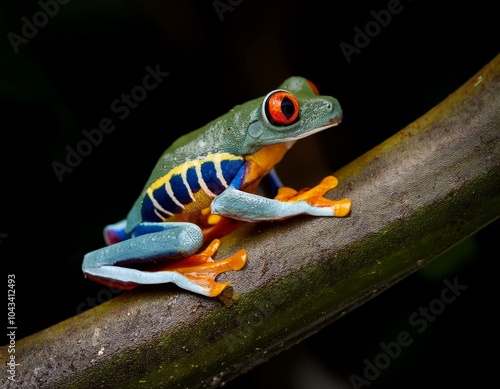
(281, 108)
(287, 108)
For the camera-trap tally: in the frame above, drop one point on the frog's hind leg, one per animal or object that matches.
(173, 242)
(115, 233)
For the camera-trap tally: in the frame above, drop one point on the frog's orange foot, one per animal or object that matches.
(314, 196)
(201, 270)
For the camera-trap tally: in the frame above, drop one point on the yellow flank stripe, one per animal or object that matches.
(196, 163)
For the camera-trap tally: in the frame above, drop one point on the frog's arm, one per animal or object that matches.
(237, 204)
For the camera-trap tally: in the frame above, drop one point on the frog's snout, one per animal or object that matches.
(332, 108)
(336, 120)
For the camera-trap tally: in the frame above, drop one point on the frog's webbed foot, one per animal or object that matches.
(314, 197)
(201, 270)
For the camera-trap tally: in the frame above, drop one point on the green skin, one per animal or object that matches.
(242, 131)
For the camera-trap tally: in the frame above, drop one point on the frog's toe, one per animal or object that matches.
(326, 207)
(324, 186)
(285, 193)
(342, 207)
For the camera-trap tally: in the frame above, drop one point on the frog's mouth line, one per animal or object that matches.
(332, 123)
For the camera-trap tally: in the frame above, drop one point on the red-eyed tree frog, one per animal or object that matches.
(205, 182)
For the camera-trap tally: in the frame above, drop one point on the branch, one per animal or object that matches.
(414, 196)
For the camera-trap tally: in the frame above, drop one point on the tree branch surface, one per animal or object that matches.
(423, 190)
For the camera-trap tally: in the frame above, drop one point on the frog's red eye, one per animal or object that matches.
(281, 108)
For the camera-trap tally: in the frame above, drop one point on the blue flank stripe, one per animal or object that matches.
(148, 211)
(164, 199)
(209, 175)
(229, 169)
(192, 180)
(239, 177)
(166, 202)
(180, 191)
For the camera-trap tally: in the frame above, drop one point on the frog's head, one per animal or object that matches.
(293, 111)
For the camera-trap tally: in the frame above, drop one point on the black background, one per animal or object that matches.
(64, 79)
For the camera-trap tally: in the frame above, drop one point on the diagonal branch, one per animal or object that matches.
(414, 196)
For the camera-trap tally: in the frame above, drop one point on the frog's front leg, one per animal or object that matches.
(245, 206)
(172, 243)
